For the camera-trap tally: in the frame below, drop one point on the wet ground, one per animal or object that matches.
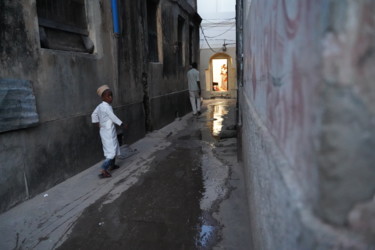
(188, 194)
(167, 207)
(161, 211)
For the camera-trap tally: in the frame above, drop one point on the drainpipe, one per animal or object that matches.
(116, 28)
(239, 57)
(116, 33)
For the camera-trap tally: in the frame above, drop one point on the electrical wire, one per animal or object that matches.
(222, 19)
(206, 40)
(217, 24)
(222, 33)
(211, 24)
(221, 39)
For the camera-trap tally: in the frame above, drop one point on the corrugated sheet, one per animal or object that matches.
(17, 105)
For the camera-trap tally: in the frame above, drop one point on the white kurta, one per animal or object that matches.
(106, 118)
(193, 78)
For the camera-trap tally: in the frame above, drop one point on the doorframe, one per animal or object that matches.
(219, 55)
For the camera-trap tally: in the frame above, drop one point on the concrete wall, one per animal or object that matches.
(193, 3)
(307, 122)
(167, 80)
(64, 84)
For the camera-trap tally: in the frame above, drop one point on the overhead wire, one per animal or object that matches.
(222, 19)
(221, 39)
(208, 24)
(217, 24)
(223, 22)
(222, 33)
(206, 40)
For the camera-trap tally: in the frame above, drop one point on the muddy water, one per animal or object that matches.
(170, 207)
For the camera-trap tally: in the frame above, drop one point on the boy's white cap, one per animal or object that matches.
(101, 89)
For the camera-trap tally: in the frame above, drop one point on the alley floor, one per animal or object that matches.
(183, 189)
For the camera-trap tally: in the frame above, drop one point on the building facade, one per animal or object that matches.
(306, 98)
(55, 54)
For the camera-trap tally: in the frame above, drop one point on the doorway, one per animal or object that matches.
(219, 75)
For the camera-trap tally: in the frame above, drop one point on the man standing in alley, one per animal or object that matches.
(194, 89)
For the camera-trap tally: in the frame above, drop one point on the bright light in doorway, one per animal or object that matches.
(220, 75)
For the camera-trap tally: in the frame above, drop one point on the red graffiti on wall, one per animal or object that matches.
(284, 69)
(292, 15)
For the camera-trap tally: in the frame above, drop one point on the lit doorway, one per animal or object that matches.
(220, 74)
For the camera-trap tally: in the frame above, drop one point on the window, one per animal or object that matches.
(180, 44)
(191, 32)
(63, 25)
(153, 54)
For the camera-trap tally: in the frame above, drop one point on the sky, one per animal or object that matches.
(218, 23)
(223, 8)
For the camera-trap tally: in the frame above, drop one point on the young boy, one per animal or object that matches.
(103, 115)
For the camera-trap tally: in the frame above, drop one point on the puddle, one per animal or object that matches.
(215, 174)
(215, 118)
(208, 232)
(206, 236)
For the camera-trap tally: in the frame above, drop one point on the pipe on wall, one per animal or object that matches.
(116, 32)
(116, 28)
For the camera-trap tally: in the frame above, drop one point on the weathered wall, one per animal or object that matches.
(163, 81)
(346, 158)
(193, 3)
(306, 113)
(167, 79)
(64, 84)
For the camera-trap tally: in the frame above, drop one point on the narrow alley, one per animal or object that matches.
(178, 192)
(280, 157)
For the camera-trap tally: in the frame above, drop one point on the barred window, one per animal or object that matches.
(191, 34)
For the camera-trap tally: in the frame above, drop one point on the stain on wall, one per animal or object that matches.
(17, 105)
(281, 77)
(306, 110)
